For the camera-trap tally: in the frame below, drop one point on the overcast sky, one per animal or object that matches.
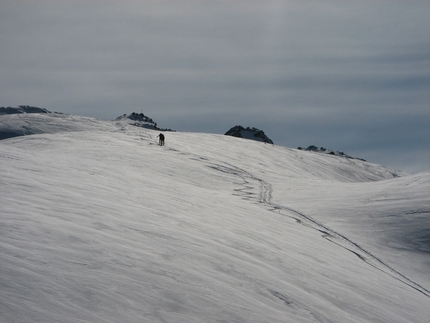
(352, 76)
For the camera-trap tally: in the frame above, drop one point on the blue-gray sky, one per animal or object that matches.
(352, 76)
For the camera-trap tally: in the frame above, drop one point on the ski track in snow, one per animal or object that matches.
(248, 183)
(265, 196)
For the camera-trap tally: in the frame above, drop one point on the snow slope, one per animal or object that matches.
(23, 124)
(100, 224)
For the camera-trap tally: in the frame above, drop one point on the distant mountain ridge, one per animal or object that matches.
(323, 150)
(24, 120)
(39, 120)
(21, 109)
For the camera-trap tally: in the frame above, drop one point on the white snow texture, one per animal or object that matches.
(101, 224)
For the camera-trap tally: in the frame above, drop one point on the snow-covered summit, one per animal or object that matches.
(249, 133)
(140, 120)
(21, 109)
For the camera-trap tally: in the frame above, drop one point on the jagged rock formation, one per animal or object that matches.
(328, 152)
(249, 133)
(141, 120)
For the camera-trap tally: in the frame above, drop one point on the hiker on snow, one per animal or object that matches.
(161, 141)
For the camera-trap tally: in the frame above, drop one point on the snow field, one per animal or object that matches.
(104, 225)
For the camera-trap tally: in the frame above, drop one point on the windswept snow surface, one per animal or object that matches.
(104, 225)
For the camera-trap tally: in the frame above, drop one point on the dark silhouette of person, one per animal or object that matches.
(161, 140)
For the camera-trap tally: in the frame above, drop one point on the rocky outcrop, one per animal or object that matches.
(328, 152)
(249, 133)
(140, 120)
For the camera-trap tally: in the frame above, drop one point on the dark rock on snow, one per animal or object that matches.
(328, 152)
(248, 133)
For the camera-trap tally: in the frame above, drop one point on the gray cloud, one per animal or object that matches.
(352, 76)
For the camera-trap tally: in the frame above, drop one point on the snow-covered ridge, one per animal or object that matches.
(140, 120)
(27, 120)
(21, 109)
(328, 152)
